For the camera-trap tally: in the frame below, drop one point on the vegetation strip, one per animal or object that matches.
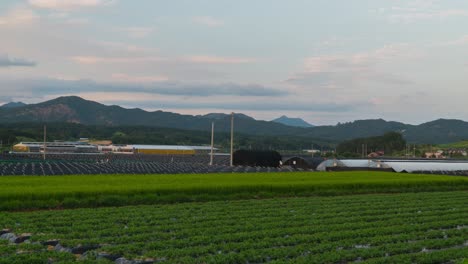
(38, 192)
(416, 227)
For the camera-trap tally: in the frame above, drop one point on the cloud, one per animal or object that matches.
(68, 5)
(218, 60)
(137, 32)
(338, 71)
(139, 85)
(413, 11)
(457, 42)
(409, 17)
(137, 59)
(77, 21)
(129, 59)
(208, 21)
(18, 16)
(151, 101)
(6, 61)
(242, 106)
(121, 77)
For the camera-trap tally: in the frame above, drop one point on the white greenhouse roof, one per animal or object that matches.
(410, 166)
(398, 165)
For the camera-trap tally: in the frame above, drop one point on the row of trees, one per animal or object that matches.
(14, 133)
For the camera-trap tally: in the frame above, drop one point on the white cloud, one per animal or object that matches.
(353, 70)
(68, 4)
(137, 32)
(357, 61)
(125, 47)
(139, 58)
(457, 42)
(218, 60)
(413, 11)
(208, 21)
(77, 21)
(409, 17)
(97, 59)
(18, 16)
(121, 77)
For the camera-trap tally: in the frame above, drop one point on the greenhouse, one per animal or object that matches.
(395, 165)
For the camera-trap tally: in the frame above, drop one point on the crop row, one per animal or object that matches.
(398, 228)
(77, 191)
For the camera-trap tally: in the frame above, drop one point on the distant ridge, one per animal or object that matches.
(13, 105)
(73, 109)
(219, 116)
(294, 122)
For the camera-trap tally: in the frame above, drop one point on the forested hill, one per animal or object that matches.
(74, 109)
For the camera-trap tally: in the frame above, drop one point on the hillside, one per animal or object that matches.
(440, 131)
(77, 110)
(356, 129)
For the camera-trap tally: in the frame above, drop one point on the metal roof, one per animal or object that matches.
(410, 166)
(398, 165)
(170, 147)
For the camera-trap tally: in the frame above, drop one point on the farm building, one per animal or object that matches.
(85, 147)
(305, 163)
(156, 149)
(55, 147)
(394, 165)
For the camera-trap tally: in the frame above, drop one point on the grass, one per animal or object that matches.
(41, 192)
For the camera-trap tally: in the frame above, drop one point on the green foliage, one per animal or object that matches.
(151, 135)
(19, 193)
(376, 228)
(455, 145)
(389, 143)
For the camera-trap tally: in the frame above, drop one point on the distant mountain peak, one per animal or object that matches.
(13, 105)
(295, 122)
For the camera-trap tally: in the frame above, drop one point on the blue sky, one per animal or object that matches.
(324, 61)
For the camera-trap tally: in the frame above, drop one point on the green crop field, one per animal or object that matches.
(33, 192)
(366, 217)
(375, 228)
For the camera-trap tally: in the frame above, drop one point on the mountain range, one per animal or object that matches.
(74, 109)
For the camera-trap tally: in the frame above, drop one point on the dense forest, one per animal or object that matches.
(15, 133)
(389, 143)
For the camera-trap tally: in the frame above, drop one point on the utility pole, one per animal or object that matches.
(232, 139)
(45, 135)
(212, 143)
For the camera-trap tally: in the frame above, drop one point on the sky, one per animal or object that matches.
(326, 61)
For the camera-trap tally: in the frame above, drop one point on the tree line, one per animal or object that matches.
(389, 144)
(11, 134)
